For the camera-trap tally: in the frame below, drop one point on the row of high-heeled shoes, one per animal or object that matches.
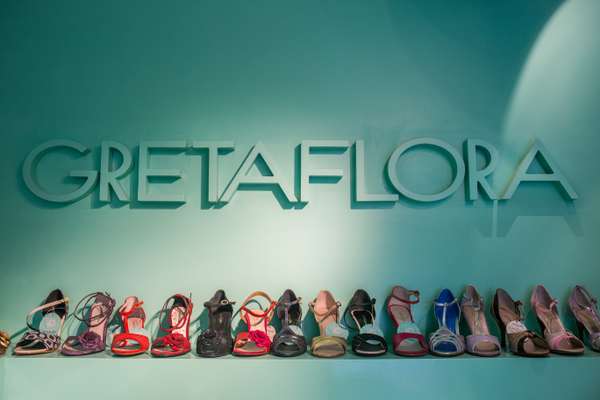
(260, 337)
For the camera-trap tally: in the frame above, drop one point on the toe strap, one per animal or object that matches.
(288, 343)
(322, 341)
(211, 341)
(369, 343)
(556, 341)
(443, 336)
(174, 342)
(259, 338)
(473, 341)
(39, 340)
(399, 338)
(121, 340)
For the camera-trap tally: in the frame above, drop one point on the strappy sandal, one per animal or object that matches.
(4, 342)
(134, 339)
(332, 341)
(45, 338)
(447, 341)
(289, 341)
(408, 339)
(216, 341)
(514, 333)
(369, 341)
(257, 341)
(585, 309)
(94, 310)
(176, 341)
(480, 342)
(560, 340)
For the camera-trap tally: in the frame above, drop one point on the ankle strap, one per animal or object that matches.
(104, 299)
(445, 304)
(410, 293)
(591, 300)
(259, 293)
(45, 307)
(333, 309)
(552, 306)
(288, 304)
(187, 301)
(136, 310)
(470, 302)
(217, 304)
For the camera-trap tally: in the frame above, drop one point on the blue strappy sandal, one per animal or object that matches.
(447, 340)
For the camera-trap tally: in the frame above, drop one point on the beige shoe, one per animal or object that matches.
(332, 341)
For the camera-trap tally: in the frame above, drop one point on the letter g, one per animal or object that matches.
(32, 160)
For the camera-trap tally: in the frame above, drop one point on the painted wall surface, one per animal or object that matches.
(282, 72)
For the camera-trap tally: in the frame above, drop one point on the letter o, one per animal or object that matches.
(457, 160)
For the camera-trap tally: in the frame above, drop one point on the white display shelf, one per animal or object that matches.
(103, 376)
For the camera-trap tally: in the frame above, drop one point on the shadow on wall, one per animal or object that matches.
(558, 106)
(468, 39)
(521, 206)
(451, 41)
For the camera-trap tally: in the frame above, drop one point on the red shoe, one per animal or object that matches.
(177, 340)
(134, 338)
(257, 341)
(408, 339)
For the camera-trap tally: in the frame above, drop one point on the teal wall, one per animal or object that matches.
(282, 72)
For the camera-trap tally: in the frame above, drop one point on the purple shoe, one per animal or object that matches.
(585, 310)
(95, 313)
(480, 342)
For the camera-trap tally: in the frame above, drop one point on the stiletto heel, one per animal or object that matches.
(580, 330)
(480, 342)
(584, 308)
(95, 313)
(45, 337)
(502, 337)
(501, 326)
(514, 334)
(560, 340)
(176, 342)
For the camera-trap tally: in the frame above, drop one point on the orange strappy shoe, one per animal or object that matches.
(257, 341)
(134, 339)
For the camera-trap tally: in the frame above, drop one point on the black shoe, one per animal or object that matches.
(369, 341)
(216, 341)
(290, 341)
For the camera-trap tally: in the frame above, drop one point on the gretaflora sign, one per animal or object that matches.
(108, 180)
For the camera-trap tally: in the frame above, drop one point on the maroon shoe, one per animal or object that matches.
(95, 313)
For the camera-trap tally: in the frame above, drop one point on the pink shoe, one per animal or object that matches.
(559, 339)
